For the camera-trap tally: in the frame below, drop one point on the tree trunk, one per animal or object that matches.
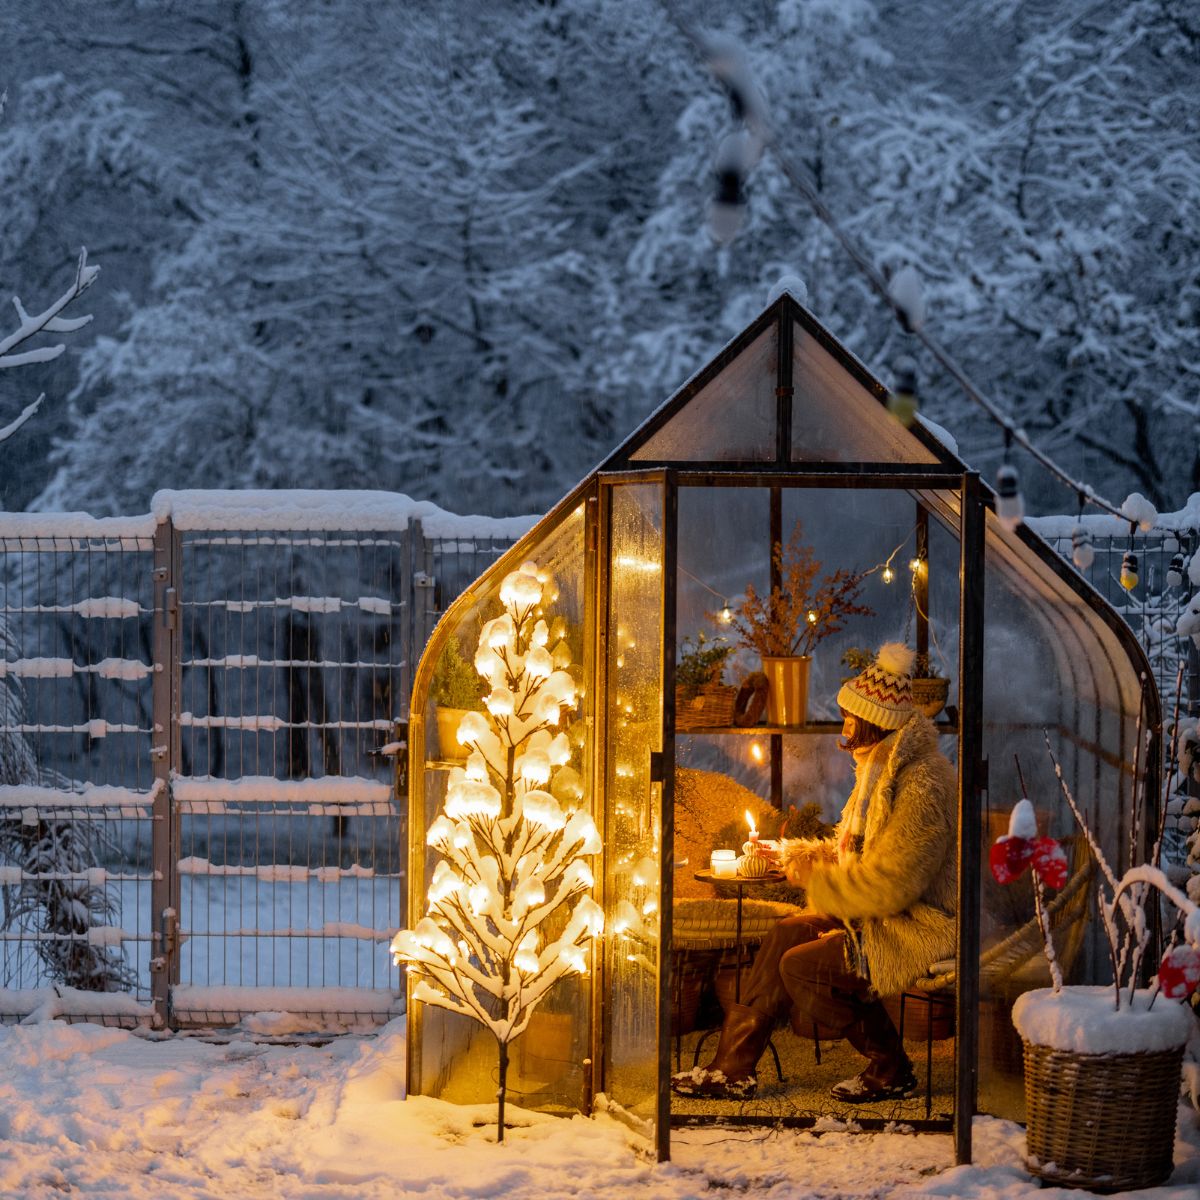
(501, 1090)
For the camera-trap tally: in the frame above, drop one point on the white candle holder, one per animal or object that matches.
(724, 864)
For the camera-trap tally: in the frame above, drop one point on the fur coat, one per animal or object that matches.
(894, 884)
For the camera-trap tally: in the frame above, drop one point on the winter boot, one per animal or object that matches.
(889, 1074)
(730, 1075)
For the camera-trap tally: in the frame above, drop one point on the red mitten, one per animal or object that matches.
(1050, 862)
(1179, 972)
(1008, 857)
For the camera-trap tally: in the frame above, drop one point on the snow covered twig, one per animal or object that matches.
(47, 321)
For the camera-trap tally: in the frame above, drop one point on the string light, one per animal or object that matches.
(812, 616)
(800, 181)
(902, 401)
(914, 565)
(725, 616)
(888, 575)
(756, 752)
(1129, 571)
(1083, 554)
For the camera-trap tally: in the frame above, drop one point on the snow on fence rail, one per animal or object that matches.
(239, 846)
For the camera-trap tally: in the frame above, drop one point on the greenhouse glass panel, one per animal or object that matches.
(452, 1056)
(836, 418)
(731, 418)
(633, 800)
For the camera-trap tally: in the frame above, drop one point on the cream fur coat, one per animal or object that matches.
(899, 890)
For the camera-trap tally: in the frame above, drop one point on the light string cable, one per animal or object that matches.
(885, 566)
(800, 181)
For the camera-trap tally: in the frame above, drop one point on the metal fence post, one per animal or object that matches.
(424, 591)
(164, 754)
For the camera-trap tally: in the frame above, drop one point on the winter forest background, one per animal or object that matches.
(460, 249)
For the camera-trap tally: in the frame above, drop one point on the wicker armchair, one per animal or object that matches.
(1014, 964)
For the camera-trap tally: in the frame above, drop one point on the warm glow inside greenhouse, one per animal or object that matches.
(779, 461)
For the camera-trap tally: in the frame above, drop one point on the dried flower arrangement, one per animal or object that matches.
(803, 610)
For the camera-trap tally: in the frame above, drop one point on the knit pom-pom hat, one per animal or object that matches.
(882, 694)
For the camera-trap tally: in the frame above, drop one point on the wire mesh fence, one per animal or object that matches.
(199, 817)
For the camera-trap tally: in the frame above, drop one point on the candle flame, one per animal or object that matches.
(750, 822)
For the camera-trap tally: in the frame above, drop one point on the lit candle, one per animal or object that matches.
(724, 864)
(753, 827)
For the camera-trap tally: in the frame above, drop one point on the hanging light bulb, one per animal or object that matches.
(1129, 571)
(1010, 504)
(1083, 554)
(812, 616)
(888, 575)
(914, 565)
(725, 616)
(1175, 570)
(902, 400)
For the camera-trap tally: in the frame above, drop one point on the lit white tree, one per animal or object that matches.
(514, 836)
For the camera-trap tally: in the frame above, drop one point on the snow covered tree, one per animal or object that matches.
(510, 912)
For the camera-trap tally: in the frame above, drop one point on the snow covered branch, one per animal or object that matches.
(47, 321)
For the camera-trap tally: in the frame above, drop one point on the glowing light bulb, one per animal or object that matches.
(756, 752)
(812, 616)
(1129, 571)
(914, 565)
(725, 616)
(888, 574)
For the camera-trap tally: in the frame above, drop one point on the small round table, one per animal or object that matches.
(741, 882)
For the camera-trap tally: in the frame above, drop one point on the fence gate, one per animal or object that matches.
(199, 713)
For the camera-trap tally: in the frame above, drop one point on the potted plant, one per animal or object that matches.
(787, 624)
(1102, 1064)
(929, 689)
(702, 698)
(456, 690)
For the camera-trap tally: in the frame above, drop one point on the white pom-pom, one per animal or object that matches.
(896, 658)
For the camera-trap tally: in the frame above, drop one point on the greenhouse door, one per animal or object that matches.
(636, 555)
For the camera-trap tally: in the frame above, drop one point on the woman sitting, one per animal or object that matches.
(881, 901)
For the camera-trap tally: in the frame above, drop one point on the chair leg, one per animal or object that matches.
(929, 1060)
(816, 1043)
(775, 1056)
(700, 1044)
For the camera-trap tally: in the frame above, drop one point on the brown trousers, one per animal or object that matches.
(801, 967)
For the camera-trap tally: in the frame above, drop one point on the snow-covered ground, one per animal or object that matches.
(88, 1111)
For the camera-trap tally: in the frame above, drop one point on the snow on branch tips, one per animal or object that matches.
(514, 835)
(47, 321)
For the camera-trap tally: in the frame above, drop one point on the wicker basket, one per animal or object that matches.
(712, 704)
(1105, 1122)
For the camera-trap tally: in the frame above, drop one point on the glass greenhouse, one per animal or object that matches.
(785, 435)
